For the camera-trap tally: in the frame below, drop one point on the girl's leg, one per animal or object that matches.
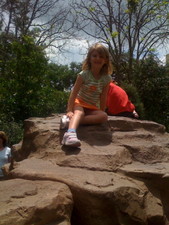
(70, 137)
(82, 116)
(77, 117)
(93, 117)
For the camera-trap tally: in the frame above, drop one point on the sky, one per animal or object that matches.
(76, 49)
(162, 53)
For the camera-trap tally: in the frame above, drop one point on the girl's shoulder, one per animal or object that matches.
(7, 149)
(107, 78)
(85, 74)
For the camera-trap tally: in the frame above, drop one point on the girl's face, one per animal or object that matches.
(97, 59)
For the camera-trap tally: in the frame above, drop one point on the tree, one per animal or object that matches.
(131, 28)
(27, 28)
(22, 78)
(45, 20)
(62, 77)
(152, 81)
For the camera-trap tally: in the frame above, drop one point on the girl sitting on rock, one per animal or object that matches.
(87, 101)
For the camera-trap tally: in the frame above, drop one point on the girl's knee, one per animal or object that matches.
(79, 113)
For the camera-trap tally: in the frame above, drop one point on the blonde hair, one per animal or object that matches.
(107, 69)
(4, 138)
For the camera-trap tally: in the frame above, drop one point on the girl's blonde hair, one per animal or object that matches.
(103, 51)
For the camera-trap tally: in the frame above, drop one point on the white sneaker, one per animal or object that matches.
(70, 139)
(64, 122)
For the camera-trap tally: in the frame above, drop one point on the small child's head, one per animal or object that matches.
(103, 52)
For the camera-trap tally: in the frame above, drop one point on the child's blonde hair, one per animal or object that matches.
(103, 51)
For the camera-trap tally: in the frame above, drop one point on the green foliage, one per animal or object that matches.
(30, 86)
(52, 101)
(14, 130)
(132, 4)
(152, 81)
(134, 97)
(22, 78)
(62, 77)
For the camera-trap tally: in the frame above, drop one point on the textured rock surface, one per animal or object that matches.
(119, 176)
(34, 202)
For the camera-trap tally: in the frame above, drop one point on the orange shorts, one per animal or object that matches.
(79, 102)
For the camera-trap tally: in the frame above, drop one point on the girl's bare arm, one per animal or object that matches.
(73, 95)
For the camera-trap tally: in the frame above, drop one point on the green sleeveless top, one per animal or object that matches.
(92, 88)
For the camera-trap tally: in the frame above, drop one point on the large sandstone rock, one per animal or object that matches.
(34, 202)
(119, 176)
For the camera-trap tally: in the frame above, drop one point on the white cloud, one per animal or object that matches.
(162, 52)
(74, 50)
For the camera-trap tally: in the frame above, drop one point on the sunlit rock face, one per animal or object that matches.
(119, 175)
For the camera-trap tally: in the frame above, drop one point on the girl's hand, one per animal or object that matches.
(70, 114)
